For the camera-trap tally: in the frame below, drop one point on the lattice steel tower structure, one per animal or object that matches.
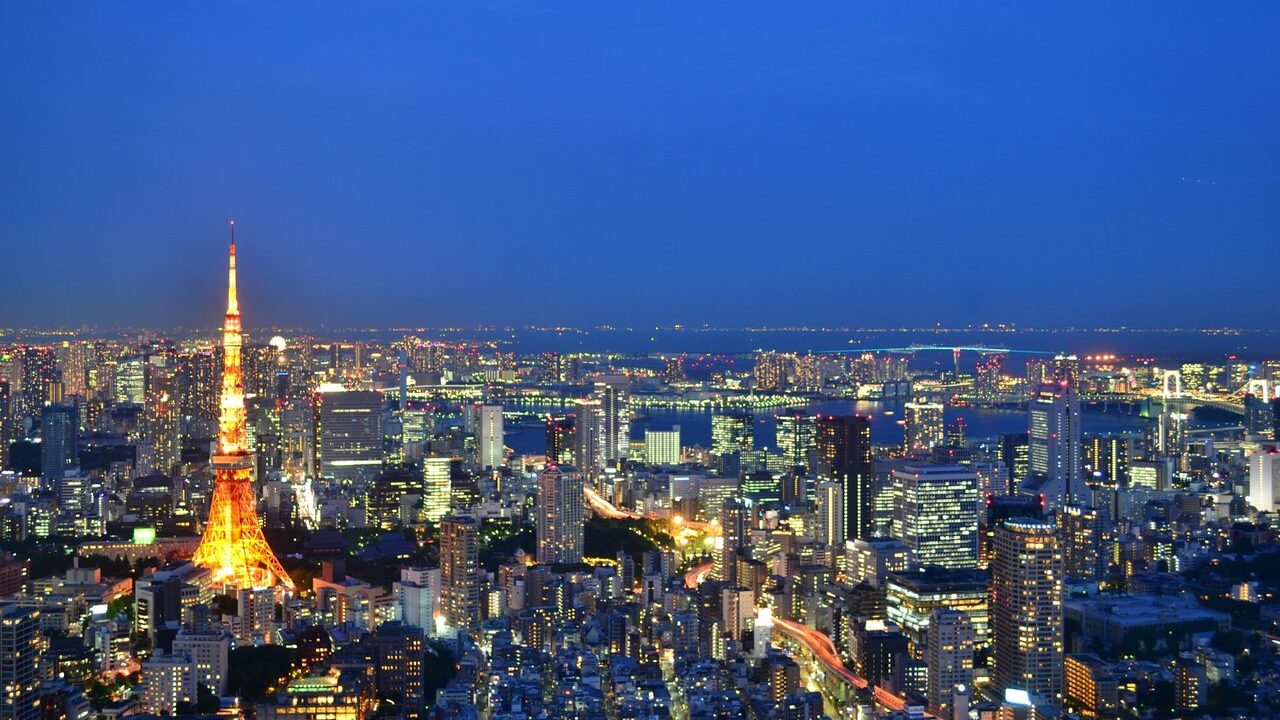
(233, 546)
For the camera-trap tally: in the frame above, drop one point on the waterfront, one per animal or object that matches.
(695, 425)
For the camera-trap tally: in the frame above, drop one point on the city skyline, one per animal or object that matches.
(654, 362)
(902, 165)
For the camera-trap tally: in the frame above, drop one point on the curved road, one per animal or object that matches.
(818, 643)
(696, 575)
(604, 508)
(823, 649)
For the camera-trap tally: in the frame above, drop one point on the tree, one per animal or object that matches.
(254, 670)
(439, 668)
(207, 700)
(1228, 641)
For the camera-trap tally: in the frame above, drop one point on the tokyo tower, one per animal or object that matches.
(233, 546)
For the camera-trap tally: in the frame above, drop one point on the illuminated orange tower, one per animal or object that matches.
(233, 546)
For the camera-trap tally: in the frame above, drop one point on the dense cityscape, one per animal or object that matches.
(639, 361)
(307, 527)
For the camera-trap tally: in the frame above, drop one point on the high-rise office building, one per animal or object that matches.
(830, 512)
(936, 514)
(1054, 444)
(5, 423)
(923, 428)
(1264, 478)
(797, 433)
(437, 487)
(560, 440)
(5, 437)
(949, 655)
(1014, 455)
(1026, 608)
(59, 428)
(614, 394)
(490, 449)
(729, 546)
(844, 456)
(588, 437)
(732, 432)
(870, 560)
(348, 433)
(460, 571)
(560, 515)
(130, 381)
(662, 447)
(20, 648)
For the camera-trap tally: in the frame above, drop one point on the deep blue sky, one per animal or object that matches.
(842, 163)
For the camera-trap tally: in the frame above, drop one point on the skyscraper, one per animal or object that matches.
(614, 394)
(348, 429)
(731, 432)
(1054, 444)
(560, 515)
(5, 437)
(1264, 478)
(490, 449)
(560, 440)
(233, 546)
(936, 514)
(1026, 608)
(662, 447)
(59, 426)
(588, 437)
(460, 571)
(733, 534)
(1013, 454)
(844, 456)
(797, 437)
(437, 487)
(923, 427)
(949, 655)
(829, 497)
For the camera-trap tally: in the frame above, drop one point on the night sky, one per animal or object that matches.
(872, 163)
